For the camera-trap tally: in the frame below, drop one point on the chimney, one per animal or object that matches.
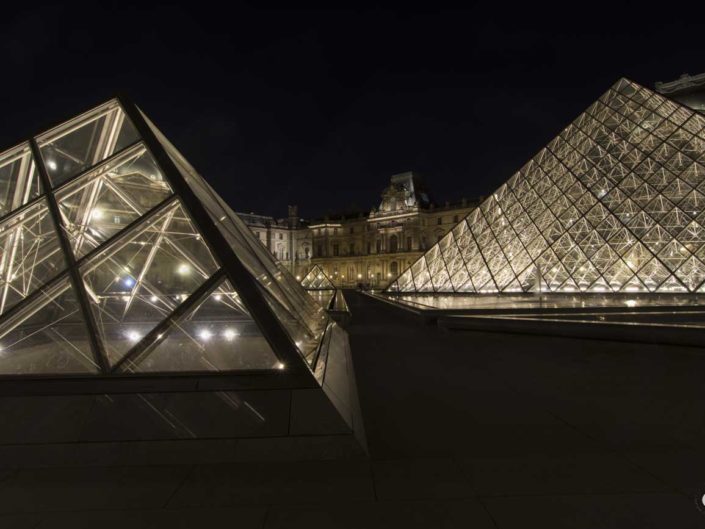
(294, 216)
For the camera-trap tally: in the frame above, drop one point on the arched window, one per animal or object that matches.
(393, 269)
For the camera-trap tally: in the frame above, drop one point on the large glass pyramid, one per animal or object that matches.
(615, 203)
(117, 257)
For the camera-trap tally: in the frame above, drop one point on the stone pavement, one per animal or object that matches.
(465, 429)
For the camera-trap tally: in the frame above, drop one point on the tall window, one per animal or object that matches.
(393, 243)
(379, 246)
(369, 248)
(408, 243)
(352, 248)
(336, 250)
(440, 220)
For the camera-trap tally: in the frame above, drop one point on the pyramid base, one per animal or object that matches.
(187, 419)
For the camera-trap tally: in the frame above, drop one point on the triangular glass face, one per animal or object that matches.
(138, 280)
(217, 335)
(19, 180)
(316, 279)
(149, 288)
(613, 204)
(47, 335)
(301, 315)
(81, 143)
(30, 254)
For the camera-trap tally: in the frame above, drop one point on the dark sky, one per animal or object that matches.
(319, 108)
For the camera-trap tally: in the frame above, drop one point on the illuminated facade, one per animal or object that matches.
(615, 203)
(370, 247)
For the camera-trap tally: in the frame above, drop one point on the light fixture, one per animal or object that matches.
(205, 334)
(217, 297)
(154, 299)
(133, 335)
(51, 164)
(183, 269)
(129, 281)
(97, 214)
(229, 334)
(280, 365)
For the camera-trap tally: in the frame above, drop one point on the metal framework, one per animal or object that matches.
(117, 258)
(615, 203)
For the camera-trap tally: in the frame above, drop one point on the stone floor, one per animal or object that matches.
(465, 429)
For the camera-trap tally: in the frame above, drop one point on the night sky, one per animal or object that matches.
(319, 108)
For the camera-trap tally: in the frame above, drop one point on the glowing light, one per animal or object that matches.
(97, 214)
(51, 164)
(205, 335)
(183, 269)
(133, 335)
(359, 276)
(128, 281)
(280, 366)
(126, 298)
(298, 278)
(631, 303)
(217, 297)
(229, 334)
(154, 299)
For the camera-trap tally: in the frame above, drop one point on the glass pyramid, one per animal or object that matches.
(117, 257)
(316, 279)
(615, 203)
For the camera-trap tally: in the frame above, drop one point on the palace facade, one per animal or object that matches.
(370, 247)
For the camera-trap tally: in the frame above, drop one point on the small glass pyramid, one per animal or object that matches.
(316, 279)
(117, 257)
(615, 203)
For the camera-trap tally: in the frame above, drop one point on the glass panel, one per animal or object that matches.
(19, 180)
(101, 203)
(46, 336)
(136, 282)
(30, 254)
(218, 335)
(79, 144)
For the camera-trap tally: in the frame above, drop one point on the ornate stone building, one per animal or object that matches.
(371, 247)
